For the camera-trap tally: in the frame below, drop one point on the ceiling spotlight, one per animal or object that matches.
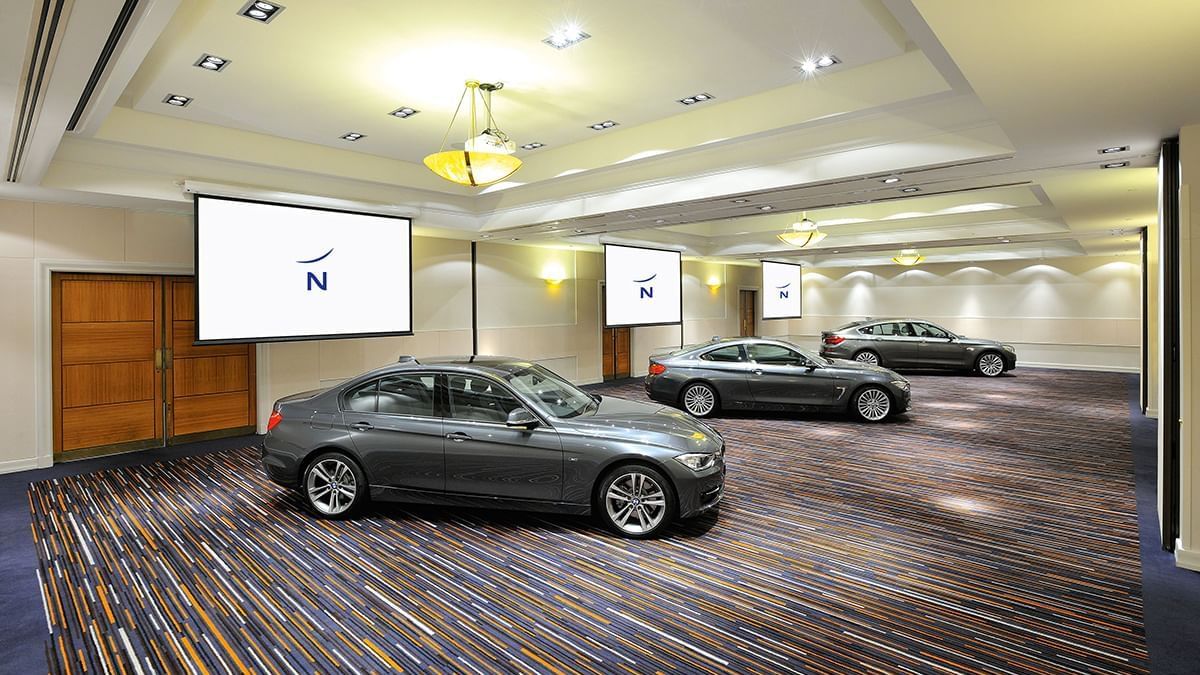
(404, 112)
(810, 66)
(177, 100)
(532, 146)
(659, 221)
(910, 189)
(260, 11)
(826, 61)
(1114, 165)
(485, 236)
(765, 207)
(1113, 149)
(565, 37)
(578, 231)
(890, 179)
(353, 136)
(210, 62)
(697, 98)
(908, 257)
(601, 126)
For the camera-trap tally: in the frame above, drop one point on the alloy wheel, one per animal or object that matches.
(874, 404)
(331, 486)
(699, 400)
(991, 364)
(635, 502)
(869, 358)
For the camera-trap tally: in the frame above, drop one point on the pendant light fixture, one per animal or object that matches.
(802, 233)
(908, 257)
(486, 157)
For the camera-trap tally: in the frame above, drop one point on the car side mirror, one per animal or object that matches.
(522, 419)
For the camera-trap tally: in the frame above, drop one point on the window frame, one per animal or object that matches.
(802, 360)
(439, 396)
(448, 402)
(742, 352)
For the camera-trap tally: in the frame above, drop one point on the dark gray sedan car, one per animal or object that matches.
(914, 343)
(496, 432)
(768, 374)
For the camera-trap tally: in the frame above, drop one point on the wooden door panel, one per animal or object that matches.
(182, 335)
(108, 424)
(211, 375)
(183, 300)
(107, 300)
(104, 383)
(622, 366)
(106, 342)
(210, 412)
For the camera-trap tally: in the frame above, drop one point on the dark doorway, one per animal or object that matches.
(747, 304)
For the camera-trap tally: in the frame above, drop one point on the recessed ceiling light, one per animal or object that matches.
(810, 66)
(177, 100)
(910, 189)
(516, 239)
(353, 136)
(404, 112)
(660, 221)
(890, 180)
(566, 36)
(696, 98)
(485, 236)
(601, 126)
(210, 62)
(740, 201)
(260, 11)
(1114, 165)
(1113, 149)
(765, 207)
(577, 231)
(1004, 241)
(532, 146)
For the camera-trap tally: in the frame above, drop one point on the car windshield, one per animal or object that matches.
(551, 393)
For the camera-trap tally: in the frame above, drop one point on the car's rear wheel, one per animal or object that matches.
(990, 364)
(636, 502)
(700, 400)
(872, 404)
(868, 357)
(334, 486)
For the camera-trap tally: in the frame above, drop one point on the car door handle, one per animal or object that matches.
(362, 426)
(758, 371)
(458, 437)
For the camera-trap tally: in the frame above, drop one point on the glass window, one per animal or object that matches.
(872, 330)
(732, 353)
(479, 398)
(408, 395)
(362, 398)
(927, 330)
(550, 392)
(774, 355)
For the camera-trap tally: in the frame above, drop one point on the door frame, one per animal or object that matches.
(43, 376)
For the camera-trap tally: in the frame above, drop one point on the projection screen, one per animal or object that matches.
(642, 286)
(273, 272)
(782, 291)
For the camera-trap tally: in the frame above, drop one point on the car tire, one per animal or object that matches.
(636, 502)
(869, 357)
(699, 399)
(872, 404)
(990, 364)
(333, 486)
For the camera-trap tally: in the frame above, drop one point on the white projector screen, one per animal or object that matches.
(269, 272)
(781, 284)
(642, 286)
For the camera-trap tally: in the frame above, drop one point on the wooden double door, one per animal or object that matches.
(126, 374)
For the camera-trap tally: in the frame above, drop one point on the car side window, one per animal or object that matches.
(775, 355)
(480, 399)
(730, 354)
(871, 330)
(408, 394)
(926, 330)
(363, 397)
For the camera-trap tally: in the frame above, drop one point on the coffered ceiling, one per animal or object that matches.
(994, 111)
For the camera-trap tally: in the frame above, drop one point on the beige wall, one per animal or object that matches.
(1187, 552)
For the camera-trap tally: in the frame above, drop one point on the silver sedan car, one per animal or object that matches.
(768, 374)
(915, 343)
(493, 432)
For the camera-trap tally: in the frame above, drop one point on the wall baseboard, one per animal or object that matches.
(1075, 366)
(15, 465)
(1186, 559)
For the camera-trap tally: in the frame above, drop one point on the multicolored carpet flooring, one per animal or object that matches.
(992, 529)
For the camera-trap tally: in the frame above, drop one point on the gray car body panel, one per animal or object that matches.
(955, 352)
(552, 467)
(749, 385)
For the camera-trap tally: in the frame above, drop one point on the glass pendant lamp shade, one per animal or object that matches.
(908, 257)
(485, 158)
(803, 233)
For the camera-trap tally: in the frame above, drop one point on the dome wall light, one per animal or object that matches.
(486, 157)
(909, 257)
(802, 233)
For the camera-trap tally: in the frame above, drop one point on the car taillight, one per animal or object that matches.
(274, 420)
(657, 369)
(834, 339)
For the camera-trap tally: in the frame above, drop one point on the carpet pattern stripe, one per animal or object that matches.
(992, 529)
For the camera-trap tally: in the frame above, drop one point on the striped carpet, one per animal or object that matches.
(992, 529)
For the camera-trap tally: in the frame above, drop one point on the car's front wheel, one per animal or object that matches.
(334, 486)
(700, 400)
(990, 364)
(636, 502)
(869, 357)
(872, 404)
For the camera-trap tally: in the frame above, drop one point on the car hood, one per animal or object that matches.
(976, 342)
(632, 421)
(848, 368)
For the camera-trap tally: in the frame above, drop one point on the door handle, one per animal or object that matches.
(362, 426)
(458, 437)
(758, 371)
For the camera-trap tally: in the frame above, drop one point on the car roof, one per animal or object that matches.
(740, 341)
(499, 366)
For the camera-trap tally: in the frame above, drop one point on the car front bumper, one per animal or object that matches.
(698, 491)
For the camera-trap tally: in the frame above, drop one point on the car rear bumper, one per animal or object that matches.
(281, 467)
(661, 389)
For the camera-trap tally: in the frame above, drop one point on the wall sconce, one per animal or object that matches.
(554, 274)
(713, 283)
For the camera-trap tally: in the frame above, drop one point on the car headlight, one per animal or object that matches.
(697, 461)
(901, 384)
(1009, 348)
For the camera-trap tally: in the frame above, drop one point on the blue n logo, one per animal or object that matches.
(645, 291)
(783, 294)
(321, 282)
